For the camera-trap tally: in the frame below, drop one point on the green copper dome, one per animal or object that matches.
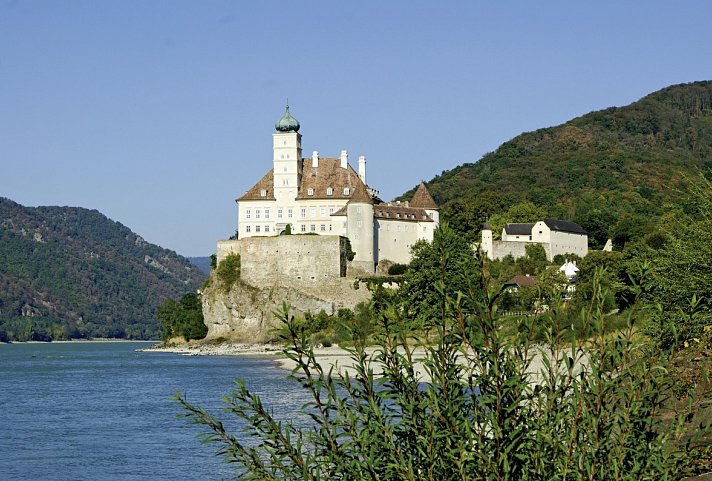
(287, 123)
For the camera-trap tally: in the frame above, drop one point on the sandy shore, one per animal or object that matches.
(334, 357)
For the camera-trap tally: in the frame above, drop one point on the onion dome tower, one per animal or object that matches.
(286, 122)
(287, 157)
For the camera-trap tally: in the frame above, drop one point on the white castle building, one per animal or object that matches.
(326, 196)
(556, 236)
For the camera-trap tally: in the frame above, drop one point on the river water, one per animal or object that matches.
(101, 411)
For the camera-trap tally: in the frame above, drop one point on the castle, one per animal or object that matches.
(556, 236)
(327, 197)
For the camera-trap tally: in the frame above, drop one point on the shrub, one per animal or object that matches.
(491, 406)
(228, 271)
(397, 269)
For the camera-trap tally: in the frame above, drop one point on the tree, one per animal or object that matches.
(183, 318)
(681, 271)
(449, 257)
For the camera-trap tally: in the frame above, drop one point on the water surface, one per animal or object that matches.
(89, 411)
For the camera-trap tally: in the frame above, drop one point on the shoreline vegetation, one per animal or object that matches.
(84, 341)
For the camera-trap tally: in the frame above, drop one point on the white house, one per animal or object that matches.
(326, 196)
(556, 236)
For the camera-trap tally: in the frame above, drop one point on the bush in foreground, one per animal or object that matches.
(488, 406)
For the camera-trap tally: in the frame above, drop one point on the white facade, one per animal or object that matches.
(556, 236)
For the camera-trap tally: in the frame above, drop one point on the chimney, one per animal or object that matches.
(344, 159)
(315, 159)
(362, 168)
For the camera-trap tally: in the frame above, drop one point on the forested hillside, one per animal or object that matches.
(614, 171)
(70, 272)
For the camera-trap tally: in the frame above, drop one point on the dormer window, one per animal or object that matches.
(310, 191)
(346, 191)
(329, 191)
(263, 193)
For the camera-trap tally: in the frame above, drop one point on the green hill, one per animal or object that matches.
(69, 272)
(613, 171)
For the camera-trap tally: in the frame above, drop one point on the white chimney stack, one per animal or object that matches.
(315, 159)
(362, 168)
(344, 159)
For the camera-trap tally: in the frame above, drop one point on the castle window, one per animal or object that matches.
(329, 191)
(279, 213)
(322, 227)
(257, 228)
(322, 211)
(303, 212)
(331, 210)
(248, 228)
(358, 209)
(266, 228)
(359, 223)
(257, 213)
(329, 227)
(248, 214)
(285, 182)
(312, 212)
(312, 228)
(289, 213)
(303, 228)
(346, 191)
(266, 213)
(310, 191)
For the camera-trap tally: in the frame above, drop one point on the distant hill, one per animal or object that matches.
(68, 272)
(202, 263)
(612, 171)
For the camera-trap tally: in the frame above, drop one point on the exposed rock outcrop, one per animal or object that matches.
(246, 313)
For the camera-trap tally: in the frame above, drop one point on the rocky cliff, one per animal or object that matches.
(246, 313)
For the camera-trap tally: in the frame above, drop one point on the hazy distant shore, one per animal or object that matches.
(81, 341)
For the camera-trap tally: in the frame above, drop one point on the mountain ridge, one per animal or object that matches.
(603, 169)
(71, 272)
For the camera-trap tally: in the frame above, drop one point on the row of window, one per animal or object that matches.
(258, 213)
(310, 191)
(302, 228)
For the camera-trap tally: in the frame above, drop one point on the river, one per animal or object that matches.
(101, 410)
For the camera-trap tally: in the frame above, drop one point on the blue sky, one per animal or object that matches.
(160, 113)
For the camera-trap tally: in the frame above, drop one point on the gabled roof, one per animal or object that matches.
(518, 229)
(422, 198)
(328, 174)
(266, 183)
(563, 226)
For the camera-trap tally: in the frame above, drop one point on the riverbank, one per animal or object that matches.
(333, 357)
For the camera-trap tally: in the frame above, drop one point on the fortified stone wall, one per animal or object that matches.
(501, 249)
(289, 259)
